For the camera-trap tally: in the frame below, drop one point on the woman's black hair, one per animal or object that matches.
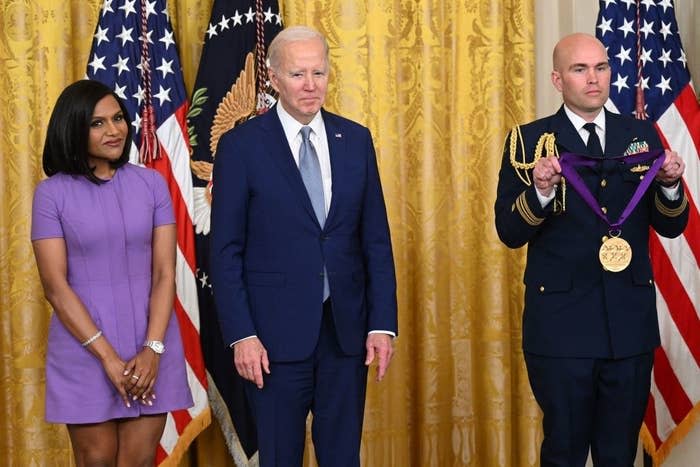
(67, 136)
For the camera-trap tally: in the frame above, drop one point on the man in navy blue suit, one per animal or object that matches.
(302, 268)
(589, 325)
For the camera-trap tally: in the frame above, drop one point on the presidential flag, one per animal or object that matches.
(231, 86)
(650, 80)
(134, 52)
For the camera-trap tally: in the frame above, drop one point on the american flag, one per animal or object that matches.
(128, 30)
(650, 79)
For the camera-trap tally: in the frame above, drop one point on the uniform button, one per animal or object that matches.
(605, 238)
(542, 288)
(603, 183)
(604, 209)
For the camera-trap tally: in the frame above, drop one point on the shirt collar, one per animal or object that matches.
(578, 122)
(291, 126)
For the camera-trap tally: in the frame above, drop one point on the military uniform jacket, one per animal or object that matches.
(573, 307)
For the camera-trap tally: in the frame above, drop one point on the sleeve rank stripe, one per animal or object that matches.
(525, 211)
(670, 212)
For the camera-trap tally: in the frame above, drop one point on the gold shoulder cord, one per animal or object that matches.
(547, 141)
(515, 138)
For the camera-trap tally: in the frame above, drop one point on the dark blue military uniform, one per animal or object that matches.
(588, 334)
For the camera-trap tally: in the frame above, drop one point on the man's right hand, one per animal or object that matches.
(547, 173)
(250, 358)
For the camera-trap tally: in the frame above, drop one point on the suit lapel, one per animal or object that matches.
(566, 135)
(281, 154)
(337, 148)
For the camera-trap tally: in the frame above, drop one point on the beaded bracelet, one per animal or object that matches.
(92, 339)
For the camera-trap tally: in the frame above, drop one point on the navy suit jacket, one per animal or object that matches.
(573, 307)
(268, 250)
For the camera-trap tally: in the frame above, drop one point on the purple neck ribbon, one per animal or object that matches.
(569, 161)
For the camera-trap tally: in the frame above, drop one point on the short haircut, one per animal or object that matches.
(67, 136)
(293, 34)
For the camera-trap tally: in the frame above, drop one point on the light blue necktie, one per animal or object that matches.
(310, 170)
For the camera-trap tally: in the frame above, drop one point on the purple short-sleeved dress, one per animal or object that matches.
(107, 229)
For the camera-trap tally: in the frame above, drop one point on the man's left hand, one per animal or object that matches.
(672, 169)
(379, 345)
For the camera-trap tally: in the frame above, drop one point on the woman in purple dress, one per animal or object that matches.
(105, 242)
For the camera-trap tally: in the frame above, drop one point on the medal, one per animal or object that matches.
(615, 254)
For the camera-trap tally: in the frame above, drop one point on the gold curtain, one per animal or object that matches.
(438, 82)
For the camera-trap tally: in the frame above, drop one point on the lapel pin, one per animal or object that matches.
(338, 135)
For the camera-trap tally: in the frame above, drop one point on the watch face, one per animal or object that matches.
(157, 346)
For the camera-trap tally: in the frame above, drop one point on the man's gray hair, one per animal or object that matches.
(292, 34)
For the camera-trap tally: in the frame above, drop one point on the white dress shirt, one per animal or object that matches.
(578, 123)
(292, 130)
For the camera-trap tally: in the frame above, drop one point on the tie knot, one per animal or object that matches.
(590, 127)
(593, 145)
(305, 133)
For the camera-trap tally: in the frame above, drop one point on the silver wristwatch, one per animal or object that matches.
(156, 346)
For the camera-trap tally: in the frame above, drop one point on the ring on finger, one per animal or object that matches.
(136, 377)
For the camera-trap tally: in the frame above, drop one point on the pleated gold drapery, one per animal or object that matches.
(438, 82)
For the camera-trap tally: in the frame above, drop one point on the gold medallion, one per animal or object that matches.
(615, 254)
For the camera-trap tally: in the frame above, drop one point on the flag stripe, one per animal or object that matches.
(664, 423)
(182, 418)
(186, 288)
(191, 336)
(651, 419)
(185, 232)
(681, 256)
(680, 306)
(681, 141)
(672, 391)
(686, 369)
(689, 110)
(172, 133)
(170, 435)
(201, 400)
(692, 231)
(161, 455)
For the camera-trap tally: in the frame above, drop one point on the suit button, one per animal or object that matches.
(604, 239)
(603, 183)
(641, 177)
(542, 288)
(604, 209)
